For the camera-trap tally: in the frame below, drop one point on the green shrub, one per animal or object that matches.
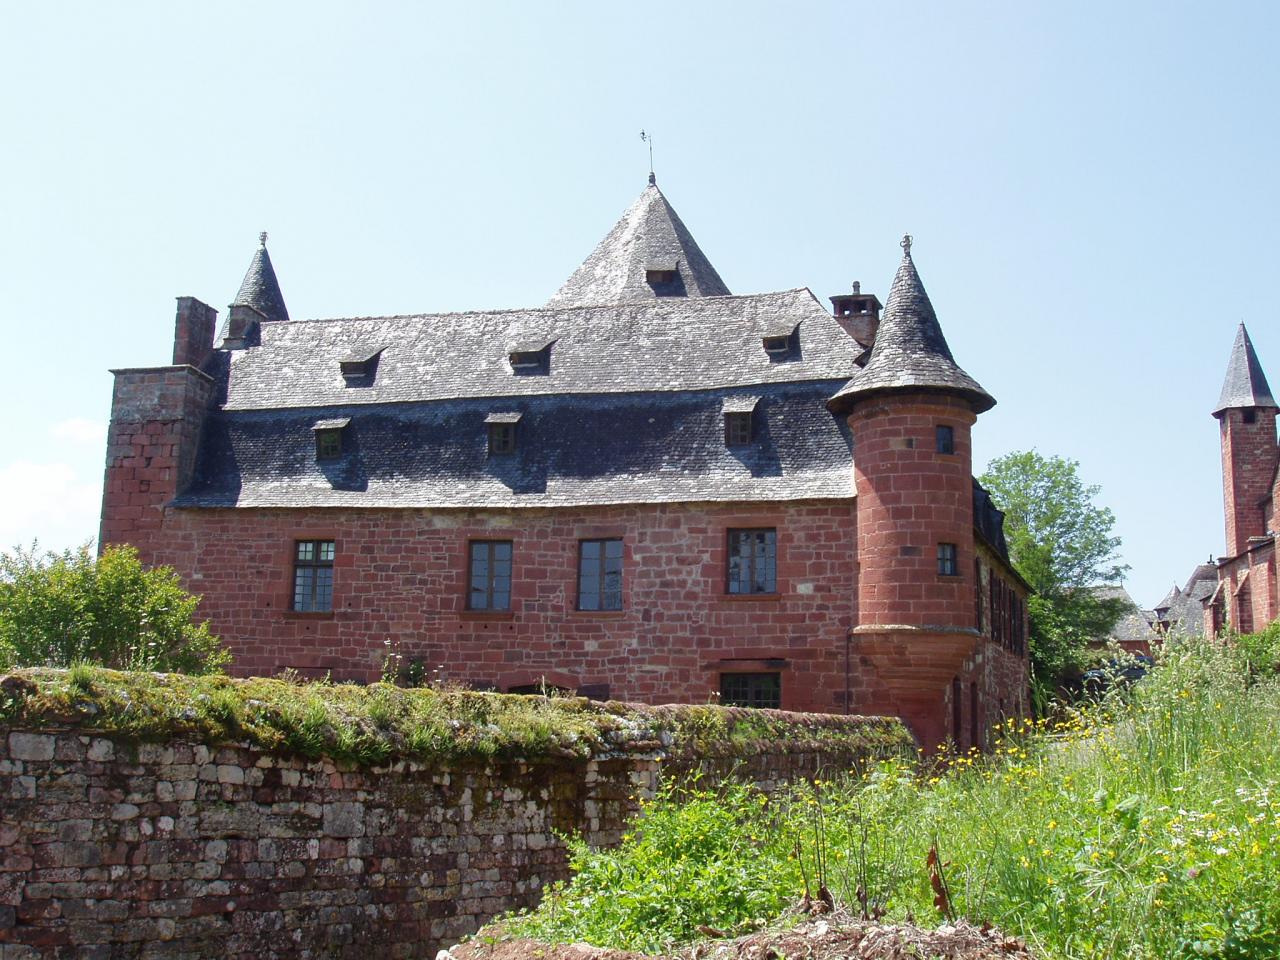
(61, 609)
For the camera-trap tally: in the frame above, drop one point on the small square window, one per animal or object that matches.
(946, 439)
(489, 575)
(753, 561)
(737, 429)
(502, 439)
(761, 690)
(947, 563)
(328, 444)
(313, 576)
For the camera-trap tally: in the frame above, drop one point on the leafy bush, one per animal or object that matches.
(1146, 827)
(61, 609)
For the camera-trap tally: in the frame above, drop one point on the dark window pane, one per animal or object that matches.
(761, 690)
(946, 439)
(313, 575)
(947, 560)
(752, 566)
(600, 574)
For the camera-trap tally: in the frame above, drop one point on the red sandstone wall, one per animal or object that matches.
(1248, 465)
(910, 499)
(402, 574)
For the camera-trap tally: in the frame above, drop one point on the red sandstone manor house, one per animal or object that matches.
(647, 489)
(1247, 597)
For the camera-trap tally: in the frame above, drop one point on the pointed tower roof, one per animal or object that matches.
(910, 354)
(1169, 600)
(649, 253)
(1246, 384)
(260, 289)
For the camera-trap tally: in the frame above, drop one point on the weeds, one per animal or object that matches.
(1145, 827)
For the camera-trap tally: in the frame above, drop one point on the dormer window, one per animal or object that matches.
(359, 369)
(739, 420)
(530, 356)
(781, 343)
(328, 435)
(502, 433)
(663, 276)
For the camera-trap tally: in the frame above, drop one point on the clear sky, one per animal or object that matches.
(1092, 189)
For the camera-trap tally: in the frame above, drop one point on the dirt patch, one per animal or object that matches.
(835, 936)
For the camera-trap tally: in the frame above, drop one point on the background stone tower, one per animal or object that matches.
(1246, 414)
(910, 409)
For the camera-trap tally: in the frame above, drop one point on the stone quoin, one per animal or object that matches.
(649, 489)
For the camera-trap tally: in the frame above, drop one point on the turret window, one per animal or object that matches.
(947, 564)
(946, 439)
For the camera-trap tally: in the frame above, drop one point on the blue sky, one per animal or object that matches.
(1091, 187)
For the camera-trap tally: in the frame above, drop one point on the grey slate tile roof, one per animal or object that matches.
(260, 289)
(570, 450)
(650, 236)
(1134, 624)
(642, 346)
(1245, 384)
(910, 353)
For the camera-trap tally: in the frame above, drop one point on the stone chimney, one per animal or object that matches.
(858, 313)
(193, 330)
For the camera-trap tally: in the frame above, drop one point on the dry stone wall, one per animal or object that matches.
(111, 848)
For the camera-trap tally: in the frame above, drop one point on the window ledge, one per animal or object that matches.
(750, 597)
(604, 614)
(308, 614)
(486, 614)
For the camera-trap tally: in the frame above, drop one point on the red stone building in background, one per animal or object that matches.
(648, 489)
(1246, 595)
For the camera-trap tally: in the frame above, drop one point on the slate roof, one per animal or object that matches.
(1134, 624)
(650, 236)
(642, 346)
(1245, 384)
(260, 289)
(570, 450)
(910, 353)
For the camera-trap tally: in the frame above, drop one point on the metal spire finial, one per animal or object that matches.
(906, 244)
(262, 238)
(647, 138)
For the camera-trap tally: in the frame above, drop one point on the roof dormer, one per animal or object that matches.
(782, 341)
(530, 355)
(360, 368)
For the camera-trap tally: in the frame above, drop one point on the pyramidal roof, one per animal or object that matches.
(260, 289)
(910, 353)
(649, 253)
(1246, 384)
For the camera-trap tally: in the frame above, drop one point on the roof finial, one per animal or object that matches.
(262, 238)
(649, 140)
(906, 244)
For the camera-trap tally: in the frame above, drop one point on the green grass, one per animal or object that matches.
(381, 723)
(1147, 829)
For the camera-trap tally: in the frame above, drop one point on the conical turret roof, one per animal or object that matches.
(1246, 384)
(650, 243)
(910, 354)
(260, 289)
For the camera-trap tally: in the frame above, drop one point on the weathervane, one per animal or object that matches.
(647, 138)
(906, 244)
(262, 238)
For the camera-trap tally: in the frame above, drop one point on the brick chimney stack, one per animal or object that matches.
(193, 330)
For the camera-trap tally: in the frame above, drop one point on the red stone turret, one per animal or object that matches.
(910, 410)
(1246, 414)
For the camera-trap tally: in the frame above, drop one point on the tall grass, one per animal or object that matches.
(1148, 827)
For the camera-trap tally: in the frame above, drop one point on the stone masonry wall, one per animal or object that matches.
(110, 848)
(402, 574)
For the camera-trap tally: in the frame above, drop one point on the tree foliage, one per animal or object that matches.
(60, 609)
(1062, 544)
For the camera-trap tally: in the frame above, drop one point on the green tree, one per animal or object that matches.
(1062, 544)
(60, 609)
